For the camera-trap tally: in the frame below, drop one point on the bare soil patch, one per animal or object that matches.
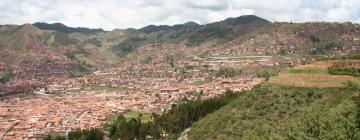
(307, 80)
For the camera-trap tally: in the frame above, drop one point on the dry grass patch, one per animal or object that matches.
(322, 65)
(307, 80)
(348, 64)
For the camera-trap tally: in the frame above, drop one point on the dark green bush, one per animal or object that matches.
(344, 71)
(6, 76)
(228, 72)
(90, 134)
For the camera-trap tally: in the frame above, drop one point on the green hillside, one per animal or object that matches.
(83, 49)
(282, 110)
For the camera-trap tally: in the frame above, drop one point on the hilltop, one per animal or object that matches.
(65, 29)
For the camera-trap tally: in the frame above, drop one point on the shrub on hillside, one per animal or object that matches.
(6, 76)
(344, 71)
(91, 134)
(228, 72)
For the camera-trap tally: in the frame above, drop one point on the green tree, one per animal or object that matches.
(7, 76)
(90, 134)
(170, 59)
(228, 72)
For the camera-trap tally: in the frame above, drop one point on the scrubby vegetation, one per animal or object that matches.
(228, 72)
(91, 134)
(344, 71)
(94, 41)
(87, 134)
(283, 112)
(65, 29)
(124, 48)
(6, 76)
(170, 59)
(322, 44)
(307, 71)
(263, 73)
(61, 39)
(79, 69)
(146, 60)
(348, 65)
(55, 136)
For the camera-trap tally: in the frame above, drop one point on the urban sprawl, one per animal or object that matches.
(152, 80)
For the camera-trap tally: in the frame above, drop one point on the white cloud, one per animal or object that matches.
(215, 5)
(110, 14)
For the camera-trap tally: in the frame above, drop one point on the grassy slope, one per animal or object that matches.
(144, 117)
(279, 112)
(14, 38)
(312, 75)
(275, 111)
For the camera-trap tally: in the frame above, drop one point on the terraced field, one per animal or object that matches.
(312, 75)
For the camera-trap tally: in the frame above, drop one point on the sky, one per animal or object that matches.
(111, 14)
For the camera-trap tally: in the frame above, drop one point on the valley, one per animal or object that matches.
(135, 86)
(236, 74)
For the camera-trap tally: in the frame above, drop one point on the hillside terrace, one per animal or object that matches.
(42, 63)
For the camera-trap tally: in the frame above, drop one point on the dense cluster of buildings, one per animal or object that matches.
(151, 82)
(35, 115)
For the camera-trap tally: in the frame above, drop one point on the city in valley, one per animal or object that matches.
(56, 81)
(179, 69)
(42, 100)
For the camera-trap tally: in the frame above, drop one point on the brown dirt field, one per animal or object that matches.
(349, 63)
(317, 65)
(305, 80)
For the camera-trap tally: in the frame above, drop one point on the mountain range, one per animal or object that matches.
(93, 49)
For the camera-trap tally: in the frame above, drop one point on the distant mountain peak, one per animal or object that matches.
(191, 24)
(28, 28)
(157, 28)
(241, 20)
(245, 19)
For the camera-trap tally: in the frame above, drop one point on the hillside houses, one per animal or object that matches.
(41, 63)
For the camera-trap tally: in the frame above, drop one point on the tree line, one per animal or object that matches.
(171, 123)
